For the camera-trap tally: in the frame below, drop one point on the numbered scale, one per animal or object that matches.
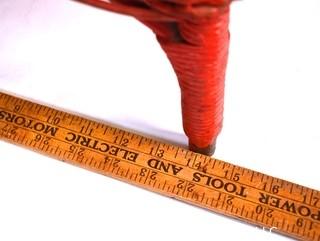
(250, 196)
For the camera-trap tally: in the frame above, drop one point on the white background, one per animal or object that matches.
(110, 67)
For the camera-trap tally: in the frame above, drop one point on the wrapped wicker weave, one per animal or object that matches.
(194, 35)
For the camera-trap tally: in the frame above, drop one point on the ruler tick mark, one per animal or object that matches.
(140, 141)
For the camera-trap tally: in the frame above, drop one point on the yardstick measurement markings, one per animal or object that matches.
(256, 198)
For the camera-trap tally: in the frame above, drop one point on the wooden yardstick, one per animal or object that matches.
(250, 196)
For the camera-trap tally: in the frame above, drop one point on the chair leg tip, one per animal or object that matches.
(208, 150)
